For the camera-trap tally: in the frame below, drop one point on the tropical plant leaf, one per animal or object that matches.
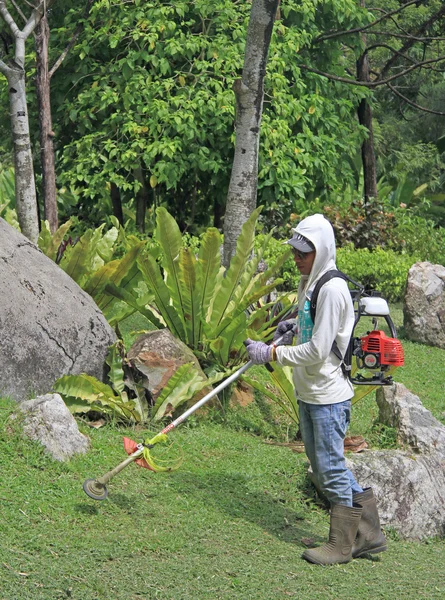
(228, 287)
(181, 386)
(95, 392)
(49, 243)
(169, 238)
(207, 271)
(190, 296)
(114, 272)
(153, 277)
(130, 300)
(114, 362)
(281, 378)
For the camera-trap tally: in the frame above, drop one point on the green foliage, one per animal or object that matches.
(382, 270)
(84, 393)
(201, 303)
(7, 196)
(150, 86)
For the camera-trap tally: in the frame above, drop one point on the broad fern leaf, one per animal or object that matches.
(207, 271)
(228, 288)
(170, 239)
(153, 278)
(49, 243)
(191, 305)
(181, 386)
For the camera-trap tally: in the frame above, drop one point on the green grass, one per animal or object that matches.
(231, 523)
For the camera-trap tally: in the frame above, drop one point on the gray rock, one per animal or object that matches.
(47, 420)
(416, 426)
(409, 489)
(409, 484)
(424, 308)
(49, 326)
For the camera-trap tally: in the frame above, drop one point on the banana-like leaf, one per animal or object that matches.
(191, 306)
(207, 272)
(230, 342)
(281, 378)
(114, 362)
(130, 300)
(181, 386)
(97, 394)
(76, 260)
(228, 287)
(153, 277)
(170, 239)
(114, 272)
(49, 244)
(105, 246)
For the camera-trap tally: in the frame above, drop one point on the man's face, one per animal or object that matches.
(304, 261)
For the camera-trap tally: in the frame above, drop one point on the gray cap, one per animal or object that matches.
(299, 242)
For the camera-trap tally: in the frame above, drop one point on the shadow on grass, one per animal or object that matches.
(230, 493)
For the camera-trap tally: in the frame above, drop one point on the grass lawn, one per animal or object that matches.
(231, 523)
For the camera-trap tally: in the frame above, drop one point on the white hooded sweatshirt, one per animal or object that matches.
(317, 375)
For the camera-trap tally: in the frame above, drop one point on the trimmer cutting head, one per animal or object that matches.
(95, 490)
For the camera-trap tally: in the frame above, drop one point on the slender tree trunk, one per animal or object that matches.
(364, 113)
(25, 189)
(43, 81)
(141, 200)
(249, 92)
(116, 201)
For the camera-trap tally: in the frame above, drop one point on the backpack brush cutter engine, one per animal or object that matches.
(375, 352)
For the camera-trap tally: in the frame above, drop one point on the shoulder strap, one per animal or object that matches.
(320, 283)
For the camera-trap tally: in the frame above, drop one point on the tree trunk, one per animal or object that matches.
(45, 120)
(249, 92)
(116, 201)
(25, 189)
(364, 113)
(141, 200)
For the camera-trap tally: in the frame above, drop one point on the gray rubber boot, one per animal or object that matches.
(370, 539)
(342, 532)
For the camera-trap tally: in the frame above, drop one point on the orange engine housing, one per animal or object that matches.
(389, 350)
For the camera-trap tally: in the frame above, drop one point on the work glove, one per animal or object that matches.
(259, 352)
(286, 331)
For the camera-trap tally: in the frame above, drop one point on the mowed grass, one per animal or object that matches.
(232, 522)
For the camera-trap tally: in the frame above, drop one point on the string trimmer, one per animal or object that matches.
(97, 489)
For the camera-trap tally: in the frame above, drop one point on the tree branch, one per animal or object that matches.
(410, 42)
(72, 41)
(5, 69)
(372, 84)
(35, 17)
(335, 34)
(9, 20)
(411, 103)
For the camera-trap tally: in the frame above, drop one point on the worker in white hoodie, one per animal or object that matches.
(324, 393)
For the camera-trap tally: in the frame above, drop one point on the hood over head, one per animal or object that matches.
(318, 230)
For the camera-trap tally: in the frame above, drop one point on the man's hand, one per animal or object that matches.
(286, 331)
(259, 352)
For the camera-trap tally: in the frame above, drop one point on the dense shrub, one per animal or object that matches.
(382, 270)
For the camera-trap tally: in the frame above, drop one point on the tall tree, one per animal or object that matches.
(249, 94)
(13, 68)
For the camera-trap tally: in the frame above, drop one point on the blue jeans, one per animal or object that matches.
(323, 429)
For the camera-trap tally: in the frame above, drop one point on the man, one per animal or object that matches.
(325, 393)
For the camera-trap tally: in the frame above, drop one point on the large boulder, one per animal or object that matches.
(47, 420)
(49, 326)
(409, 484)
(424, 309)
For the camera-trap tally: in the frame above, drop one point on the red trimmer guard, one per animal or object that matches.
(130, 447)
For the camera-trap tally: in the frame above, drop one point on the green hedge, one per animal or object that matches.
(382, 270)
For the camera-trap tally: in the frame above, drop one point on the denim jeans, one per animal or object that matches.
(323, 429)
